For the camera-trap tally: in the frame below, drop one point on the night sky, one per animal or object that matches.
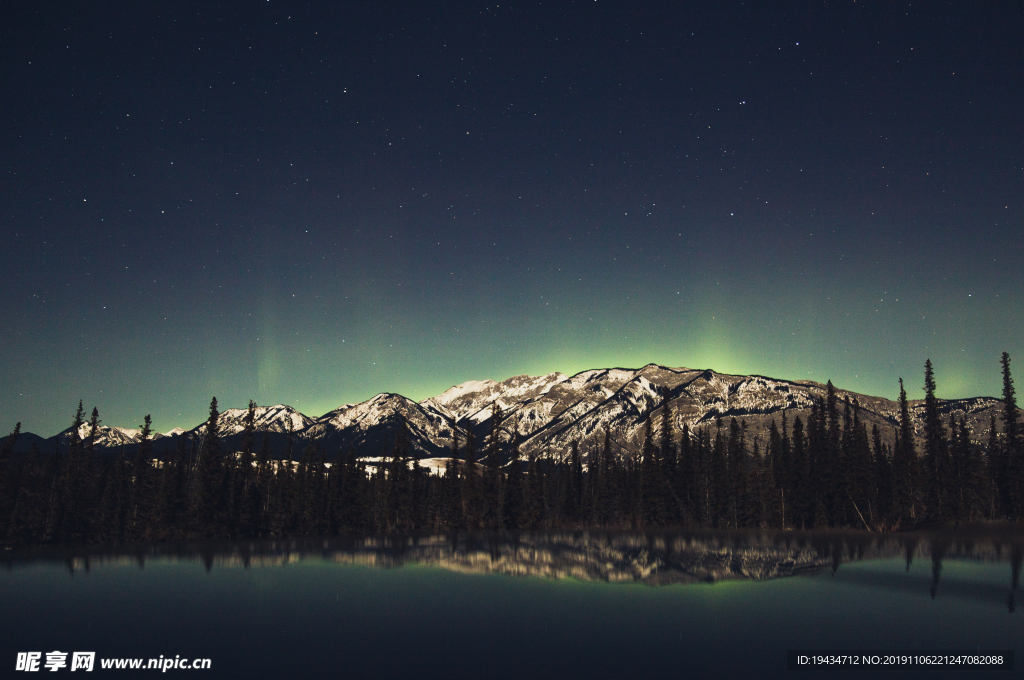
(312, 203)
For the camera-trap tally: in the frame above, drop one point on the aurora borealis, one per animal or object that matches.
(310, 204)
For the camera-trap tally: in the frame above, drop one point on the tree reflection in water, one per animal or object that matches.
(653, 558)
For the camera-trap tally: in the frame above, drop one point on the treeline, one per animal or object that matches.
(827, 471)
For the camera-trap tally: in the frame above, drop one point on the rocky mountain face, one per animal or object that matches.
(369, 428)
(111, 437)
(551, 412)
(278, 419)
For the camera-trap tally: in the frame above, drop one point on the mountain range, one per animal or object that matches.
(548, 412)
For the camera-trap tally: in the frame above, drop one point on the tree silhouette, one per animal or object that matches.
(209, 480)
(905, 461)
(1011, 475)
(936, 453)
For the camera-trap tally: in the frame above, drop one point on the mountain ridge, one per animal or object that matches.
(548, 413)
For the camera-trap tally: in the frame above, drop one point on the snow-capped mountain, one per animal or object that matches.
(268, 419)
(472, 400)
(109, 437)
(369, 427)
(551, 412)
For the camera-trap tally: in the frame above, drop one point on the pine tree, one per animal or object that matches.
(765, 506)
(401, 503)
(801, 491)
(905, 462)
(976, 474)
(452, 496)
(685, 477)
(819, 479)
(574, 484)
(719, 478)
(775, 499)
(161, 521)
(141, 490)
(960, 477)
(94, 428)
(738, 483)
(591, 480)
(1012, 473)
(883, 509)
(608, 489)
(246, 492)
(650, 479)
(533, 508)
(993, 468)
(862, 468)
(833, 462)
(995, 471)
(263, 486)
(548, 487)
(514, 486)
(936, 452)
(89, 480)
(470, 485)
(209, 479)
(668, 500)
(65, 516)
(494, 487)
(787, 478)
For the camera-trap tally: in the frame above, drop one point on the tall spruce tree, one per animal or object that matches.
(671, 511)
(574, 484)
(264, 484)
(141, 494)
(513, 511)
(246, 491)
(88, 472)
(861, 465)
(471, 484)
(650, 481)
(905, 462)
(833, 461)
(207, 518)
(719, 477)
(1012, 474)
(494, 486)
(800, 488)
(883, 507)
(994, 469)
(736, 461)
(936, 453)
(817, 453)
(774, 465)
(452, 495)
(533, 508)
(66, 518)
(608, 491)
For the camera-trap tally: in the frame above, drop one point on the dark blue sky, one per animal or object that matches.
(311, 203)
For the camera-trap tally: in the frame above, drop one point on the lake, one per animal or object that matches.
(565, 605)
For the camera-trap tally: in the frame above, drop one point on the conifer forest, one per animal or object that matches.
(827, 470)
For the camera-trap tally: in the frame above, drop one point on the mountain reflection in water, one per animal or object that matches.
(656, 559)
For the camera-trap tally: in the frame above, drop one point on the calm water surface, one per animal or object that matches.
(565, 606)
